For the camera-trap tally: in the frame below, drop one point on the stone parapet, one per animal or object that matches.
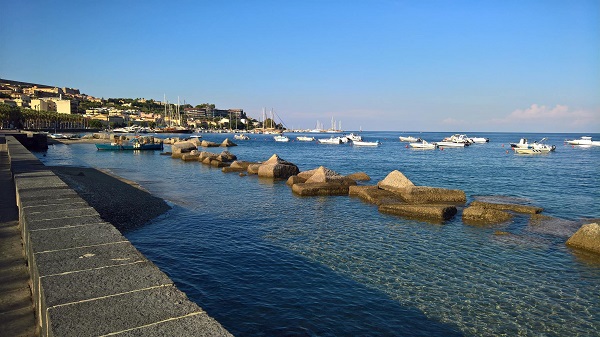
(87, 279)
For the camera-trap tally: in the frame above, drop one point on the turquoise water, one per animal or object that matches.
(263, 261)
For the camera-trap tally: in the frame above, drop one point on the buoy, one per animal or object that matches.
(502, 145)
(406, 146)
(506, 151)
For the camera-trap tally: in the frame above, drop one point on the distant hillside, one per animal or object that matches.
(10, 82)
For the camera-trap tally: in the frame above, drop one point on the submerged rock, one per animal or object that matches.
(374, 195)
(434, 212)
(484, 216)
(314, 189)
(508, 207)
(586, 238)
(426, 194)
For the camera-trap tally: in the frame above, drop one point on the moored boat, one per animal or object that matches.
(537, 147)
(332, 140)
(354, 137)
(281, 138)
(241, 137)
(479, 140)
(450, 144)
(409, 139)
(423, 144)
(363, 143)
(305, 138)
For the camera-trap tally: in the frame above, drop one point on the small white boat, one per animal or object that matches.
(422, 145)
(58, 136)
(458, 138)
(479, 140)
(332, 140)
(362, 143)
(305, 139)
(585, 140)
(409, 139)
(241, 137)
(450, 144)
(354, 137)
(281, 138)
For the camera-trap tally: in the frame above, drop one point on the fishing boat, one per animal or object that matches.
(331, 140)
(409, 139)
(241, 137)
(362, 143)
(305, 139)
(458, 138)
(451, 144)
(423, 144)
(281, 138)
(139, 143)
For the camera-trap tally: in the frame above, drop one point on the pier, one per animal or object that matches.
(67, 272)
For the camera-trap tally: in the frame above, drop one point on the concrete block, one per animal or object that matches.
(119, 313)
(73, 237)
(75, 259)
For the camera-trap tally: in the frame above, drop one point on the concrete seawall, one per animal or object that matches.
(86, 278)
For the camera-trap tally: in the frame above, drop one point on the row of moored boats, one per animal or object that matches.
(456, 140)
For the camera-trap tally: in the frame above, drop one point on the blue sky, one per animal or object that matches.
(523, 66)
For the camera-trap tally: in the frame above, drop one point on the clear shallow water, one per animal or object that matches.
(265, 262)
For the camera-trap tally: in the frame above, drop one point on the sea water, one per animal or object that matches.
(265, 262)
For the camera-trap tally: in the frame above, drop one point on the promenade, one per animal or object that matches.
(66, 271)
(16, 308)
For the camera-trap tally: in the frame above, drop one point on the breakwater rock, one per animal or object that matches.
(277, 168)
(434, 212)
(478, 215)
(586, 238)
(320, 181)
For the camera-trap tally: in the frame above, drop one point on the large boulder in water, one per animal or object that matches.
(586, 238)
(206, 143)
(228, 143)
(226, 156)
(314, 189)
(182, 147)
(325, 175)
(395, 181)
(277, 168)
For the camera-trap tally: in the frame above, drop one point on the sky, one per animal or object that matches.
(418, 65)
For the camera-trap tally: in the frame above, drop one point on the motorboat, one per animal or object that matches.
(409, 139)
(331, 140)
(241, 137)
(281, 138)
(305, 139)
(479, 140)
(423, 144)
(583, 141)
(363, 143)
(523, 147)
(458, 138)
(138, 143)
(354, 137)
(450, 144)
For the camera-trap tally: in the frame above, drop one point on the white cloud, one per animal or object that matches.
(541, 118)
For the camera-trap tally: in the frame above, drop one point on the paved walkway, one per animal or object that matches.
(16, 309)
